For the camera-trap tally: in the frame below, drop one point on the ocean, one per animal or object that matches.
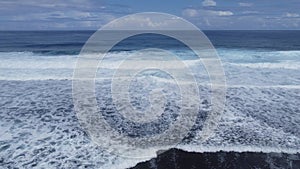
(39, 127)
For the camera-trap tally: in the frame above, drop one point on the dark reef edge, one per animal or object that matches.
(179, 159)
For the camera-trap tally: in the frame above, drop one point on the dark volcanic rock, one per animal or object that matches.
(178, 159)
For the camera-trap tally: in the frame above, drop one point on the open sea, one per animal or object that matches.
(39, 127)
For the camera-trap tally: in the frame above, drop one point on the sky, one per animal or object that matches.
(205, 14)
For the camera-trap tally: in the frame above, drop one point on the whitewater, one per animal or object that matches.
(39, 127)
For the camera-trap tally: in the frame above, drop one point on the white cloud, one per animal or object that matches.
(190, 12)
(250, 12)
(221, 13)
(292, 15)
(147, 21)
(193, 13)
(245, 4)
(209, 3)
(68, 14)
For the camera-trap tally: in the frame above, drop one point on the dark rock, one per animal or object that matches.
(179, 159)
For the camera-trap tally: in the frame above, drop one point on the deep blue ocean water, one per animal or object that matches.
(71, 42)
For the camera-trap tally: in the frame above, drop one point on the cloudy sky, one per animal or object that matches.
(206, 14)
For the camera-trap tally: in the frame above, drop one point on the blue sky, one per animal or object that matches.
(92, 14)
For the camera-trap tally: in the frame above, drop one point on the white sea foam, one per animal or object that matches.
(257, 56)
(239, 65)
(39, 126)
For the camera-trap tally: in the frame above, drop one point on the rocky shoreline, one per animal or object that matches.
(179, 159)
